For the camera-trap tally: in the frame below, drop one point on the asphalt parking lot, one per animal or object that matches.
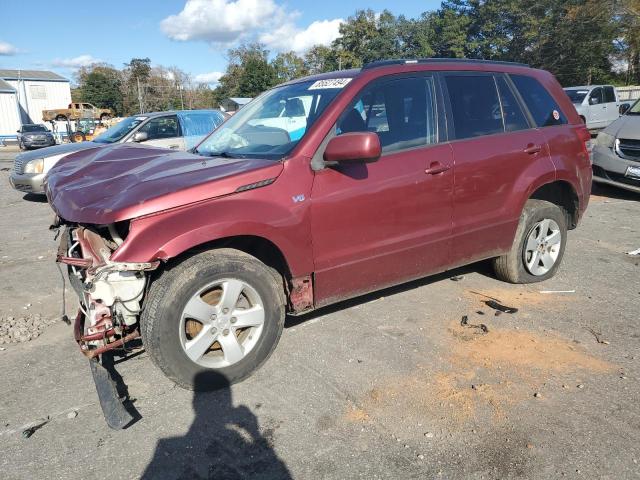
(390, 385)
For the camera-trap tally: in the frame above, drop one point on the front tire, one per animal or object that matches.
(538, 246)
(218, 316)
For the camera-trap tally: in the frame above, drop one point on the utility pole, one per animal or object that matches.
(139, 95)
(181, 99)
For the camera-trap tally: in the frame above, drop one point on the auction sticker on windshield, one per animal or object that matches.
(330, 83)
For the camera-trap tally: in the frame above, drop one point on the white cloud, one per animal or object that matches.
(210, 78)
(289, 37)
(225, 22)
(7, 49)
(75, 62)
(221, 21)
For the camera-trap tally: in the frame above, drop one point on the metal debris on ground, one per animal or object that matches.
(634, 252)
(557, 291)
(499, 307)
(465, 323)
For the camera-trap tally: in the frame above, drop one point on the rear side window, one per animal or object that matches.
(475, 106)
(400, 111)
(512, 114)
(544, 109)
(609, 95)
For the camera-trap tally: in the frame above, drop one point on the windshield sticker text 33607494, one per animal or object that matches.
(330, 83)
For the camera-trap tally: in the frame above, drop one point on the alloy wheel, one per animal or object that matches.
(221, 323)
(542, 247)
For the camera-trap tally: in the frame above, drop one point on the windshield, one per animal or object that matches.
(119, 130)
(635, 109)
(272, 125)
(576, 96)
(34, 128)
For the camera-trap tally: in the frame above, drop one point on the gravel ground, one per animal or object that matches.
(390, 385)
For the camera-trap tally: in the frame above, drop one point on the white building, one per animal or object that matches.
(24, 94)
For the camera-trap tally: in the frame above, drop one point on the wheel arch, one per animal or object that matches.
(257, 246)
(563, 194)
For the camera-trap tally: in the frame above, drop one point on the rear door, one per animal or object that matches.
(381, 223)
(195, 125)
(496, 152)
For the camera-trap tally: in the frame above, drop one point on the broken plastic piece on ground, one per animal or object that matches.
(634, 252)
(27, 432)
(465, 323)
(498, 306)
(115, 412)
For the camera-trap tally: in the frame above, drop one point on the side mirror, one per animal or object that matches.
(593, 101)
(354, 147)
(140, 137)
(624, 108)
(18, 131)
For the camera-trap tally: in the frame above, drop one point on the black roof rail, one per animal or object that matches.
(409, 61)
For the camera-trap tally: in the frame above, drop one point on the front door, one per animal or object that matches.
(381, 223)
(597, 108)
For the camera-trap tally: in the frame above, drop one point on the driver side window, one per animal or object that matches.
(400, 111)
(596, 96)
(162, 127)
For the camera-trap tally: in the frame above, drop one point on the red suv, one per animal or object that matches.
(321, 189)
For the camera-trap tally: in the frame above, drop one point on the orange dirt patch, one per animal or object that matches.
(520, 297)
(484, 375)
(355, 414)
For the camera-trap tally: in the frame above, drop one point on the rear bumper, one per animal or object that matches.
(610, 169)
(28, 183)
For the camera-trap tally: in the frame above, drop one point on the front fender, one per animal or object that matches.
(266, 212)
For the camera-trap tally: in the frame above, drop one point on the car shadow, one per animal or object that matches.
(604, 190)
(223, 442)
(35, 197)
(483, 268)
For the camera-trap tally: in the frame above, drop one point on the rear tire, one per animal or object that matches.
(536, 253)
(199, 284)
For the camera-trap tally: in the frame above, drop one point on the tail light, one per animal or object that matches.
(585, 137)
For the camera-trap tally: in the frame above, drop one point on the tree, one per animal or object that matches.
(288, 66)
(320, 59)
(248, 73)
(101, 85)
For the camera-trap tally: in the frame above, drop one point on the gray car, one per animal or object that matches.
(32, 135)
(178, 130)
(616, 152)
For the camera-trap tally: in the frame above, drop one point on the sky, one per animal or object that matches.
(192, 35)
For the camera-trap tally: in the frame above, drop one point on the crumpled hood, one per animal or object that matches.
(64, 149)
(627, 126)
(120, 182)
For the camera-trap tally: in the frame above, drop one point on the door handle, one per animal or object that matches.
(435, 168)
(532, 149)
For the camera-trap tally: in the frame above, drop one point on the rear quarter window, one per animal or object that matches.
(542, 106)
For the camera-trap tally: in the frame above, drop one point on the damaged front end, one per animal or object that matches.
(110, 293)
(111, 296)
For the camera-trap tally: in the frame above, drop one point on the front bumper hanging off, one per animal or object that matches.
(99, 328)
